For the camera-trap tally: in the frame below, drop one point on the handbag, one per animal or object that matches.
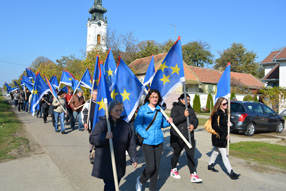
(208, 126)
(139, 139)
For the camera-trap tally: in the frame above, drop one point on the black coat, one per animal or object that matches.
(51, 108)
(43, 103)
(221, 129)
(180, 120)
(123, 140)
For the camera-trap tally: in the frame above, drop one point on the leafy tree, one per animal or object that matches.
(197, 53)
(232, 95)
(276, 97)
(38, 61)
(210, 103)
(248, 98)
(166, 46)
(197, 103)
(147, 48)
(255, 98)
(241, 60)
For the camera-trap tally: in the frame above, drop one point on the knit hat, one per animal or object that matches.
(112, 104)
(61, 92)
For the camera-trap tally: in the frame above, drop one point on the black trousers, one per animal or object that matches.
(152, 154)
(45, 113)
(109, 185)
(178, 146)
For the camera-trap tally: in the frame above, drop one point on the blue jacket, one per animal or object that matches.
(154, 136)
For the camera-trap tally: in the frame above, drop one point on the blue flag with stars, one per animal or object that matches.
(28, 85)
(30, 74)
(127, 89)
(170, 75)
(223, 85)
(26, 79)
(110, 68)
(54, 81)
(52, 89)
(96, 74)
(150, 73)
(86, 80)
(103, 97)
(66, 78)
(65, 89)
(40, 89)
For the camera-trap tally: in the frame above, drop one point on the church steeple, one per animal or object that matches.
(97, 11)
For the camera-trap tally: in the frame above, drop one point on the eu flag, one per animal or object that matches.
(103, 97)
(96, 74)
(86, 80)
(54, 81)
(67, 78)
(110, 69)
(127, 89)
(170, 75)
(52, 89)
(223, 85)
(8, 87)
(30, 74)
(40, 89)
(150, 73)
(29, 86)
(16, 84)
(25, 79)
(65, 89)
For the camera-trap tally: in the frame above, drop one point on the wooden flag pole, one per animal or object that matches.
(111, 148)
(228, 126)
(186, 107)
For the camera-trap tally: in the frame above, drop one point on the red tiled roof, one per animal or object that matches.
(206, 75)
(247, 80)
(269, 58)
(273, 74)
(281, 55)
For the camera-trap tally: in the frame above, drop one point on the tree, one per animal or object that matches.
(166, 46)
(129, 42)
(38, 61)
(197, 103)
(197, 53)
(113, 41)
(147, 48)
(232, 95)
(241, 60)
(71, 64)
(210, 103)
(248, 98)
(276, 97)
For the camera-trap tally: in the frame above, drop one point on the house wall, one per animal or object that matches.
(282, 74)
(268, 68)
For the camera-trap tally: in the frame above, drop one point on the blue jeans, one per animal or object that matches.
(78, 115)
(62, 119)
(25, 105)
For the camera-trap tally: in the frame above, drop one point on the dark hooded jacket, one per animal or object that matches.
(180, 120)
(220, 128)
(123, 140)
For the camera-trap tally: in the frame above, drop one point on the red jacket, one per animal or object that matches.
(68, 96)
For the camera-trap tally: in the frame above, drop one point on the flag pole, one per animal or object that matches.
(228, 125)
(111, 148)
(89, 107)
(186, 107)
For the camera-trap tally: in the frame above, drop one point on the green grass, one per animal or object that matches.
(206, 114)
(10, 128)
(260, 152)
(202, 121)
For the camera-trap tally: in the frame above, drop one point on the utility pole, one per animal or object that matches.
(175, 31)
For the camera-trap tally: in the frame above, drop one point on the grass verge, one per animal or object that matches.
(11, 143)
(260, 152)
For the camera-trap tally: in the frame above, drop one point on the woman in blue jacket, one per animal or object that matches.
(153, 138)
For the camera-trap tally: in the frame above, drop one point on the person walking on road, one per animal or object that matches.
(45, 105)
(179, 114)
(59, 112)
(123, 139)
(153, 138)
(68, 97)
(219, 124)
(76, 103)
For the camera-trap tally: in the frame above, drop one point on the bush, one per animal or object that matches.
(210, 103)
(255, 98)
(197, 103)
(248, 98)
(232, 95)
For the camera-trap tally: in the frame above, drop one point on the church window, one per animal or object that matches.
(98, 39)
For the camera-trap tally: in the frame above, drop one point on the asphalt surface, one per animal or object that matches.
(64, 165)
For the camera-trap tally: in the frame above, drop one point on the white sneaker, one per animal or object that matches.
(174, 173)
(138, 186)
(195, 178)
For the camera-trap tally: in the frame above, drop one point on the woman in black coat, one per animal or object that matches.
(123, 140)
(219, 141)
(179, 115)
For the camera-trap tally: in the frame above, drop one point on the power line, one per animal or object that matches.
(12, 63)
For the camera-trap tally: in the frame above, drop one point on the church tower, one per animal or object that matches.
(96, 27)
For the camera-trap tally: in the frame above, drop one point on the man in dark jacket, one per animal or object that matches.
(77, 103)
(179, 115)
(45, 106)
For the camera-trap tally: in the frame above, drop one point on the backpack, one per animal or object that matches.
(208, 126)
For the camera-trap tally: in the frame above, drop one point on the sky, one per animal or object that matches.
(56, 28)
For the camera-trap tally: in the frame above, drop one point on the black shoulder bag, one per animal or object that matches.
(139, 140)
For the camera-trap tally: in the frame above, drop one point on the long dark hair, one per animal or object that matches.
(217, 104)
(146, 100)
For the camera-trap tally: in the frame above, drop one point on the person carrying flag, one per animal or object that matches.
(180, 114)
(59, 111)
(68, 97)
(77, 101)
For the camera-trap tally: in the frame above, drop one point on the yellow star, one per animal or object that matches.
(165, 79)
(97, 81)
(110, 72)
(35, 91)
(70, 79)
(114, 94)
(175, 69)
(101, 104)
(90, 81)
(125, 95)
(163, 66)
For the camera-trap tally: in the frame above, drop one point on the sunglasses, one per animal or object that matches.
(224, 104)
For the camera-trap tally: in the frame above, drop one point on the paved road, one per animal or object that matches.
(64, 165)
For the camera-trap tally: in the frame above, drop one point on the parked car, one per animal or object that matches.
(250, 117)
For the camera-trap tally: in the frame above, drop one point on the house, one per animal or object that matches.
(275, 69)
